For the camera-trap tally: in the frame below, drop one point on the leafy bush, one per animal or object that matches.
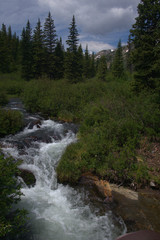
(11, 221)
(109, 135)
(3, 98)
(12, 84)
(10, 122)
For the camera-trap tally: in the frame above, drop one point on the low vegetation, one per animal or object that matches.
(12, 220)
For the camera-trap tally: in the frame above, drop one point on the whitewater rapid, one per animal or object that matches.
(56, 212)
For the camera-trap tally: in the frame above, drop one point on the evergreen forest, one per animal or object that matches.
(115, 102)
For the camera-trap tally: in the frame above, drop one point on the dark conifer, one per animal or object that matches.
(27, 52)
(38, 51)
(145, 34)
(73, 36)
(72, 72)
(102, 68)
(4, 51)
(59, 60)
(87, 64)
(50, 40)
(118, 63)
(50, 37)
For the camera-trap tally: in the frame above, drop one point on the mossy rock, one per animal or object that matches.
(28, 177)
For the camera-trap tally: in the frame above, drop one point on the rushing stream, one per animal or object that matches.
(56, 212)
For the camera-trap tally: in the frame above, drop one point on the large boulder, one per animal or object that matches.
(141, 235)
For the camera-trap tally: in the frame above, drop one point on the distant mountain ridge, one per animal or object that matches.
(109, 54)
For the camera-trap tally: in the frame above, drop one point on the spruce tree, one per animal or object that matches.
(145, 34)
(87, 64)
(118, 63)
(50, 40)
(27, 52)
(80, 58)
(73, 36)
(38, 51)
(72, 73)
(4, 51)
(59, 60)
(102, 68)
(93, 67)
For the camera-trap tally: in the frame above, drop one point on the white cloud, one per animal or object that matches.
(92, 16)
(96, 46)
(99, 21)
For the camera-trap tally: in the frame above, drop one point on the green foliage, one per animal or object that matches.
(102, 68)
(3, 98)
(9, 46)
(109, 135)
(70, 166)
(58, 97)
(38, 51)
(118, 62)
(27, 52)
(50, 39)
(10, 122)
(145, 37)
(59, 60)
(11, 84)
(11, 220)
(72, 41)
(72, 65)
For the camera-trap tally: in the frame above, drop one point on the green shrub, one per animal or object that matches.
(12, 84)
(70, 165)
(11, 220)
(3, 98)
(10, 122)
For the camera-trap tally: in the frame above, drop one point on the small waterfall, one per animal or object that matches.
(56, 212)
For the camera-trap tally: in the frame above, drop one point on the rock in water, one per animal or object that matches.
(141, 235)
(28, 177)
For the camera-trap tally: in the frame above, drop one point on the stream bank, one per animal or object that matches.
(139, 209)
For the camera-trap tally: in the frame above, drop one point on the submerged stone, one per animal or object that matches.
(28, 177)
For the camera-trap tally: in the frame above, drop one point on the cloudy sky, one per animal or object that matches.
(100, 23)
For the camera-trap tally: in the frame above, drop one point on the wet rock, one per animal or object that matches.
(28, 177)
(140, 235)
(152, 184)
(139, 210)
(36, 123)
(102, 187)
(71, 126)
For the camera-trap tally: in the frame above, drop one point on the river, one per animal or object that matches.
(56, 211)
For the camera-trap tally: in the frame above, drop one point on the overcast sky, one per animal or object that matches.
(101, 23)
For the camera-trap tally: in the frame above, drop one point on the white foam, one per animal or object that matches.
(57, 212)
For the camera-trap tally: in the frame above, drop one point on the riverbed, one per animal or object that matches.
(56, 211)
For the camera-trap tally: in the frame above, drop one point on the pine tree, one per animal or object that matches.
(38, 51)
(72, 72)
(50, 40)
(27, 52)
(15, 52)
(59, 60)
(87, 64)
(73, 36)
(129, 63)
(4, 51)
(80, 58)
(102, 68)
(118, 64)
(50, 37)
(145, 34)
(93, 67)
